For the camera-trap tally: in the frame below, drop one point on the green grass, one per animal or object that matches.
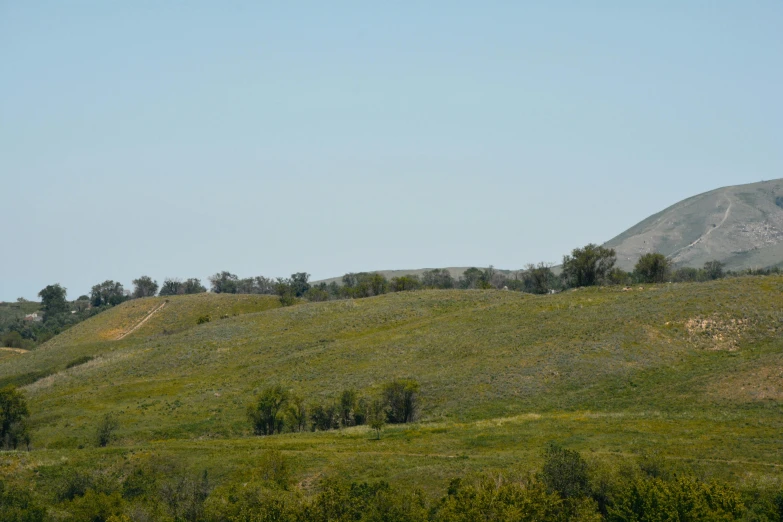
(690, 370)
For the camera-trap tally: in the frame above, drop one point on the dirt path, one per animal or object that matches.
(707, 233)
(15, 350)
(139, 324)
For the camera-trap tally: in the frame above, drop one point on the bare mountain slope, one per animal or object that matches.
(742, 226)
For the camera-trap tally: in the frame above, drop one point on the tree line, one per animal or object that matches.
(591, 265)
(276, 410)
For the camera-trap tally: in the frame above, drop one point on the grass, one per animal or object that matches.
(690, 370)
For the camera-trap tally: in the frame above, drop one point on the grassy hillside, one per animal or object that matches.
(742, 226)
(689, 370)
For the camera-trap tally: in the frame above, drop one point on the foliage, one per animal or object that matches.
(437, 278)
(651, 499)
(405, 284)
(13, 414)
(539, 279)
(652, 268)
(499, 499)
(144, 286)
(18, 505)
(53, 300)
(79, 361)
(401, 399)
(104, 432)
(564, 472)
(588, 266)
(713, 270)
(376, 416)
(107, 293)
(224, 283)
(202, 319)
(267, 414)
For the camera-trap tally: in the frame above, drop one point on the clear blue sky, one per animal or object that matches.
(183, 138)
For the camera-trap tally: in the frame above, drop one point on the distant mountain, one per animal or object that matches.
(742, 226)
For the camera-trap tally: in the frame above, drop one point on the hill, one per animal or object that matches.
(691, 371)
(455, 271)
(741, 226)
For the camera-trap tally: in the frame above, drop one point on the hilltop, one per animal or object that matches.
(741, 226)
(687, 370)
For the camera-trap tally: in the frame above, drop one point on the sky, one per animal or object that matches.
(178, 139)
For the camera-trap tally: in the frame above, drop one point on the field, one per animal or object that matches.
(692, 372)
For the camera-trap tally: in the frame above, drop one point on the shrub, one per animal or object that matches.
(13, 413)
(273, 468)
(105, 431)
(203, 319)
(564, 471)
(681, 499)
(79, 361)
(18, 505)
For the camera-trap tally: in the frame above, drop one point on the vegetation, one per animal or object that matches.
(431, 401)
(13, 418)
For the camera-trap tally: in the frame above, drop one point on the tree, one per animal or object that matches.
(378, 284)
(652, 268)
(13, 413)
(405, 283)
(171, 287)
(324, 417)
(713, 270)
(687, 274)
(437, 278)
(472, 278)
(266, 414)
(107, 293)
(299, 283)
(144, 287)
(105, 430)
(401, 399)
(297, 413)
(376, 417)
(53, 300)
(348, 407)
(588, 266)
(224, 283)
(539, 279)
(564, 471)
(193, 286)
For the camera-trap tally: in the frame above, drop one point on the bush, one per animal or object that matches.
(105, 430)
(79, 361)
(18, 505)
(203, 319)
(13, 414)
(681, 499)
(564, 471)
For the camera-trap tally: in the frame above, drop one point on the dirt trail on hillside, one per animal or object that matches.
(15, 350)
(139, 324)
(707, 233)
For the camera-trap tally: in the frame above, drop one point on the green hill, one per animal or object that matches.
(689, 370)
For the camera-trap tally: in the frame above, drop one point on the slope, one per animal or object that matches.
(501, 373)
(741, 226)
